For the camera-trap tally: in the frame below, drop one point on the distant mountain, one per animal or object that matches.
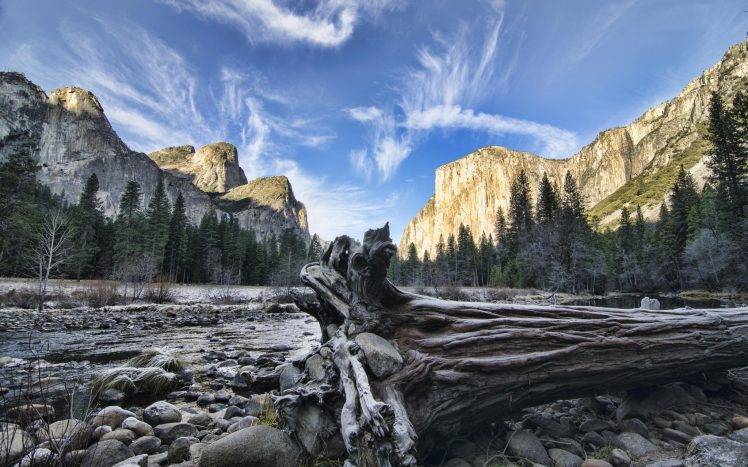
(625, 166)
(70, 136)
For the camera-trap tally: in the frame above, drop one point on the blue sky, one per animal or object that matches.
(358, 101)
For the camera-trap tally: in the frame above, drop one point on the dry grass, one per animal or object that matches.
(150, 372)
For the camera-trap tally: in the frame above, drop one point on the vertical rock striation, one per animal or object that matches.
(71, 138)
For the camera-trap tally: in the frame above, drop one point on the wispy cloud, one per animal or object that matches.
(443, 91)
(597, 29)
(329, 23)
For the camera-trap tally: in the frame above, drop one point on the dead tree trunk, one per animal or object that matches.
(443, 367)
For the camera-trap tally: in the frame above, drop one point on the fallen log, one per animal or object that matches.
(402, 371)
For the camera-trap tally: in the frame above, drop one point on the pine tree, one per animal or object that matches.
(441, 265)
(412, 267)
(427, 269)
(729, 162)
(129, 226)
(466, 256)
(18, 214)
(625, 233)
(87, 223)
(548, 203)
(315, 249)
(520, 206)
(500, 225)
(451, 256)
(158, 218)
(683, 198)
(176, 235)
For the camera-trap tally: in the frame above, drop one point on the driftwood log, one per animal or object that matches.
(398, 371)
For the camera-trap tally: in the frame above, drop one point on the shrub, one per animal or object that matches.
(99, 294)
(160, 292)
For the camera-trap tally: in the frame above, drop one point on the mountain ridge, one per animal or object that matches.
(68, 133)
(469, 190)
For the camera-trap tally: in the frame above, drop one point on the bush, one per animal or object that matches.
(23, 298)
(160, 292)
(99, 294)
(452, 292)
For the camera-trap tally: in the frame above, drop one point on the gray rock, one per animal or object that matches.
(120, 434)
(289, 376)
(318, 433)
(157, 459)
(563, 458)
(71, 433)
(567, 444)
(106, 454)
(654, 402)
(37, 457)
(201, 419)
(100, 431)
(595, 424)
(146, 445)
(179, 451)
(667, 463)
(112, 416)
(686, 428)
(716, 428)
(257, 446)
(717, 450)
(206, 399)
(526, 445)
(140, 460)
(550, 426)
(245, 422)
(161, 412)
(137, 427)
(168, 432)
(196, 450)
(592, 438)
(634, 425)
(740, 435)
(315, 367)
(739, 422)
(619, 458)
(649, 304)
(233, 411)
(592, 462)
(635, 444)
(111, 396)
(74, 458)
(14, 443)
(381, 356)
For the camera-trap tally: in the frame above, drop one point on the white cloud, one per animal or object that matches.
(329, 23)
(441, 92)
(555, 141)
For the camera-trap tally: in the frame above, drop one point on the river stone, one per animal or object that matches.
(716, 428)
(289, 376)
(137, 427)
(29, 412)
(619, 458)
(121, 434)
(318, 433)
(179, 451)
(168, 432)
(739, 422)
(140, 460)
(73, 458)
(70, 432)
(245, 422)
(111, 396)
(233, 411)
(634, 444)
(634, 425)
(161, 412)
(37, 457)
(112, 416)
(717, 450)
(202, 419)
(563, 458)
(106, 453)
(196, 450)
(740, 435)
(257, 446)
(315, 367)
(381, 356)
(595, 463)
(146, 445)
(667, 463)
(526, 445)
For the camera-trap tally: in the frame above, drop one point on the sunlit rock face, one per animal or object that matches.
(625, 166)
(70, 136)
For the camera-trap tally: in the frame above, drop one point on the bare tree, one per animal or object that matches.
(135, 273)
(50, 249)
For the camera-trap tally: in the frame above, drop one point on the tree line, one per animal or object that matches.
(142, 243)
(699, 239)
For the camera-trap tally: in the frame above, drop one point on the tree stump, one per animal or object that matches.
(398, 371)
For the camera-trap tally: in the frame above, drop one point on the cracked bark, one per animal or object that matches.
(467, 364)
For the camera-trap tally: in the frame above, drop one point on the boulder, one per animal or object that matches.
(179, 451)
(591, 462)
(112, 416)
(619, 458)
(137, 427)
(716, 450)
(381, 356)
(634, 425)
(161, 412)
(202, 419)
(14, 443)
(739, 422)
(111, 396)
(289, 376)
(106, 453)
(740, 435)
(71, 433)
(563, 458)
(168, 432)
(140, 460)
(524, 444)
(146, 445)
(315, 367)
(37, 457)
(245, 422)
(257, 446)
(634, 444)
(121, 434)
(318, 432)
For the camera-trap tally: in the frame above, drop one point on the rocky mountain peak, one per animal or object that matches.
(77, 101)
(214, 168)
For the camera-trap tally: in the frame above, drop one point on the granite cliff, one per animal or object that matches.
(70, 136)
(626, 166)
